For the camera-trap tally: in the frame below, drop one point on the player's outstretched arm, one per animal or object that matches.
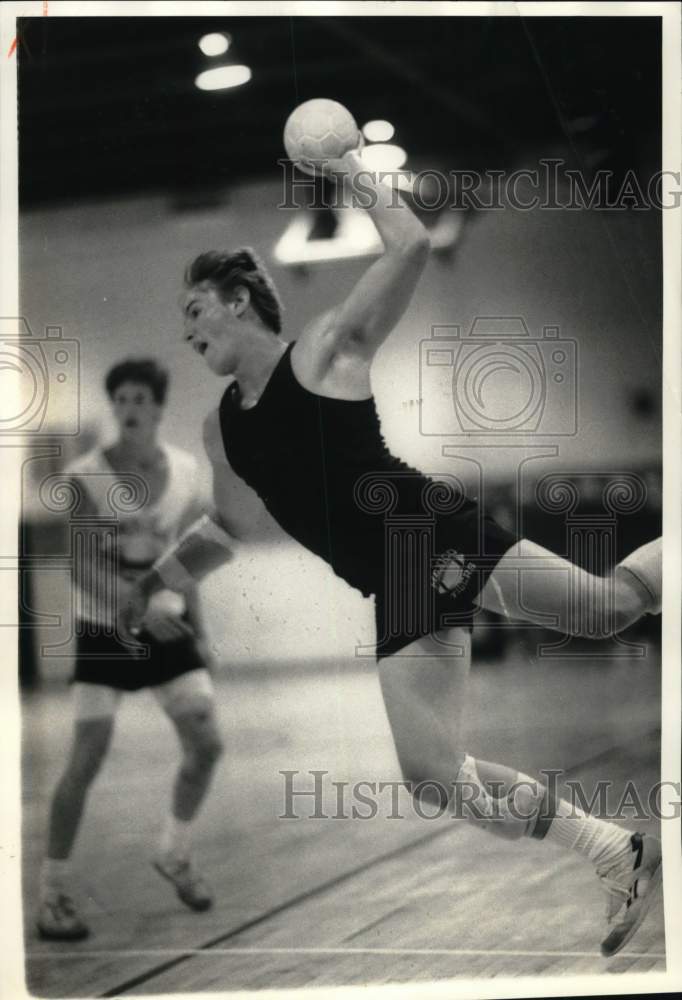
(208, 542)
(201, 549)
(360, 324)
(191, 557)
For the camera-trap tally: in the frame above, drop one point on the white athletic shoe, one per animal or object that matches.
(58, 919)
(189, 883)
(630, 885)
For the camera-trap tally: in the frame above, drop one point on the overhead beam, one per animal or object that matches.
(445, 97)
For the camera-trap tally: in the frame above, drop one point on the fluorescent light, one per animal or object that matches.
(223, 77)
(403, 180)
(214, 44)
(356, 236)
(383, 156)
(378, 130)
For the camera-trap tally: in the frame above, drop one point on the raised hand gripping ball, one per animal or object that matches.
(318, 131)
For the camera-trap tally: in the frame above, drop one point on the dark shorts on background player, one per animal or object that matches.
(102, 659)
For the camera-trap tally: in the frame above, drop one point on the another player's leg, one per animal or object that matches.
(95, 707)
(189, 702)
(424, 697)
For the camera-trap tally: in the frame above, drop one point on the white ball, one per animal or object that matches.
(320, 130)
(168, 602)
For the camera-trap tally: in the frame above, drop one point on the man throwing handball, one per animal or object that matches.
(299, 424)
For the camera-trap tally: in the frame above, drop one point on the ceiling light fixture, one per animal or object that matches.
(378, 130)
(214, 44)
(223, 77)
(383, 156)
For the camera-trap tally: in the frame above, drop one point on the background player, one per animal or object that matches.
(176, 669)
(300, 426)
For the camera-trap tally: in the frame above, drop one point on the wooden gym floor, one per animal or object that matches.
(315, 902)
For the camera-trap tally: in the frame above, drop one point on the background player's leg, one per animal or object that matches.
(95, 707)
(189, 702)
(197, 730)
(91, 741)
(530, 583)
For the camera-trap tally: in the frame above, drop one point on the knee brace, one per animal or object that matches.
(507, 808)
(645, 565)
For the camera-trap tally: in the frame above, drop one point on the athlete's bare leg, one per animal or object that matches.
(58, 917)
(194, 719)
(424, 690)
(532, 584)
(202, 747)
(424, 693)
(91, 741)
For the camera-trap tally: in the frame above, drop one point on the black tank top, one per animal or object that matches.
(306, 456)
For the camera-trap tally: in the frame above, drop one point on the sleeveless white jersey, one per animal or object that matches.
(105, 571)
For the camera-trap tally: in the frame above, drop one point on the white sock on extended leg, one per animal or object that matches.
(55, 876)
(176, 837)
(594, 838)
(512, 805)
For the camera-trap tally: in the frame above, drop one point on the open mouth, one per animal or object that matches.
(131, 422)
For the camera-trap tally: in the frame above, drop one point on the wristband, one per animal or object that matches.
(202, 548)
(173, 573)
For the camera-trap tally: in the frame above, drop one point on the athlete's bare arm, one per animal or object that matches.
(238, 515)
(333, 355)
(237, 508)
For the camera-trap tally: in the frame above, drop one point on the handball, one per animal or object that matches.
(317, 131)
(167, 602)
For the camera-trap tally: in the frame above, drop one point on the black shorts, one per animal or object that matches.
(102, 659)
(408, 606)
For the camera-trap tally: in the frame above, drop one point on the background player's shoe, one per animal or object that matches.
(630, 885)
(58, 919)
(189, 884)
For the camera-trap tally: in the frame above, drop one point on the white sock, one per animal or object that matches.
(55, 876)
(594, 838)
(176, 836)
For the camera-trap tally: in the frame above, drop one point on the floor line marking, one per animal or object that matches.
(488, 953)
(186, 954)
(288, 904)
